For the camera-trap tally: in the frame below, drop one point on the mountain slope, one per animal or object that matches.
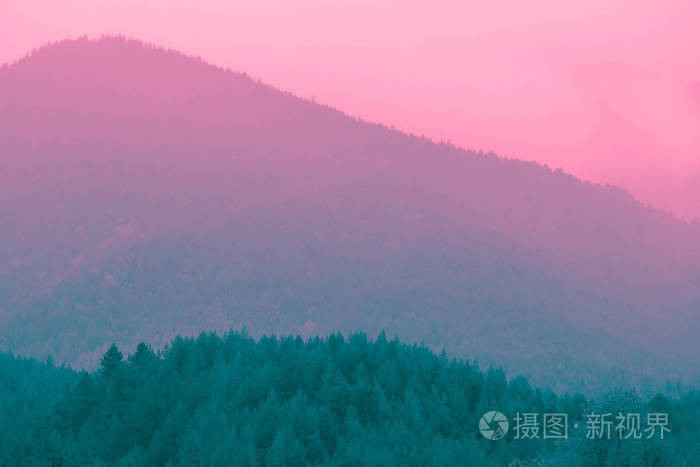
(146, 193)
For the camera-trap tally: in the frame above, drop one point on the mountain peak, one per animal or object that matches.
(253, 206)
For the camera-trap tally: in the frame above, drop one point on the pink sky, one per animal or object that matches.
(609, 90)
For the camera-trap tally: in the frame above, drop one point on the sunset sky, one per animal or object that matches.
(607, 91)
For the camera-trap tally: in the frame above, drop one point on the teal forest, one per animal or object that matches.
(235, 400)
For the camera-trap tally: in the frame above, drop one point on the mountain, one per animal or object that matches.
(146, 193)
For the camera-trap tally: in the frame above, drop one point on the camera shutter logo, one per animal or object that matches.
(493, 425)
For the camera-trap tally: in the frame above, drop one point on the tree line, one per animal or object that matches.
(235, 400)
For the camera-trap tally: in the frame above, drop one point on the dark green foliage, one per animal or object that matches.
(286, 402)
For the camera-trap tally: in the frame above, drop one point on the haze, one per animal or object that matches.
(608, 92)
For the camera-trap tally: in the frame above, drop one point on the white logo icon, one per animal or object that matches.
(493, 425)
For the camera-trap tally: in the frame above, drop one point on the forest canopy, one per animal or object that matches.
(234, 400)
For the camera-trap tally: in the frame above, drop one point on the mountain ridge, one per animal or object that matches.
(124, 40)
(194, 158)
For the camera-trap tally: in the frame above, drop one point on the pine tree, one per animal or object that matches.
(111, 364)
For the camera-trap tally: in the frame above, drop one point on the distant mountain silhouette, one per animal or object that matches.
(146, 193)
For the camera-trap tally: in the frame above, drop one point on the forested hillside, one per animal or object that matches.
(290, 402)
(145, 194)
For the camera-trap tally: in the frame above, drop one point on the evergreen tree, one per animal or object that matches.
(212, 401)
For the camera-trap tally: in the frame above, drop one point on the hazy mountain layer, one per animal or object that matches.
(145, 193)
